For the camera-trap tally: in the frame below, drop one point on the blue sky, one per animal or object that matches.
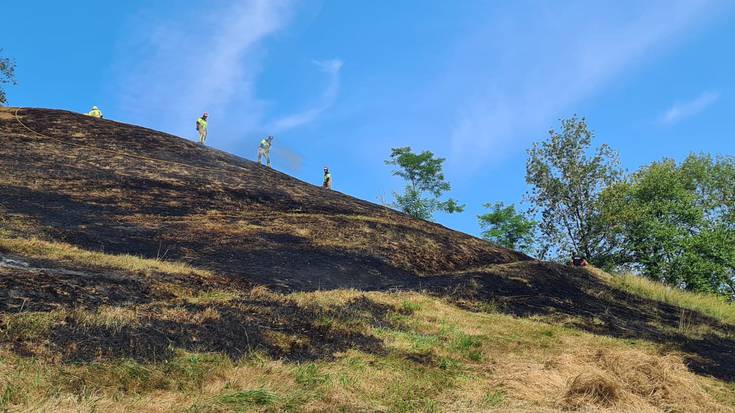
(341, 82)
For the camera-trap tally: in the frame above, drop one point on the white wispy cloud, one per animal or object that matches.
(332, 68)
(518, 75)
(173, 70)
(679, 110)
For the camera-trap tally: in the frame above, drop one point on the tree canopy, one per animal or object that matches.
(425, 184)
(566, 179)
(7, 76)
(677, 222)
(508, 228)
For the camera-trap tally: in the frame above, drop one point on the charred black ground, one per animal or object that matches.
(117, 188)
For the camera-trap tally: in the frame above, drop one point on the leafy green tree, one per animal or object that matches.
(7, 76)
(677, 222)
(655, 213)
(425, 183)
(566, 181)
(508, 228)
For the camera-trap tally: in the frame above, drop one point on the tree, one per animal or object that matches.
(565, 186)
(7, 76)
(425, 183)
(677, 222)
(508, 228)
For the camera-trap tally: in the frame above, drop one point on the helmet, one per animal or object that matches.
(95, 108)
(326, 169)
(270, 138)
(205, 114)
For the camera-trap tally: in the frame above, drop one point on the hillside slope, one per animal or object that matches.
(108, 186)
(120, 244)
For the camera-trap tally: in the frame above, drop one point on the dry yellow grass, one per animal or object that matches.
(111, 318)
(69, 254)
(438, 358)
(6, 114)
(712, 305)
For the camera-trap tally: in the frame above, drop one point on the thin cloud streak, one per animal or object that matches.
(680, 111)
(207, 62)
(329, 96)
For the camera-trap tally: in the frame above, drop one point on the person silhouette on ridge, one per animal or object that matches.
(95, 112)
(264, 149)
(202, 128)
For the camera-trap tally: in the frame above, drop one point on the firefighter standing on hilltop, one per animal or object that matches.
(327, 184)
(95, 112)
(264, 149)
(202, 128)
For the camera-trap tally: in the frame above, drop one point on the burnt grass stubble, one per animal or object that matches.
(105, 201)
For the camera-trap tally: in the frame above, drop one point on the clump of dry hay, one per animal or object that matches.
(611, 379)
(591, 389)
(661, 381)
(632, 380)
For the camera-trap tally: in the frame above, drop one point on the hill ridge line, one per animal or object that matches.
(129, 154)
(381, 207)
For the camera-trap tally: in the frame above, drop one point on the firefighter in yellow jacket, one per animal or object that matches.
(95, 112)
(264, 149)
(202, 128)
(327, 184)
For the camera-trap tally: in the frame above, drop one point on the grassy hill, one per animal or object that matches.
(142, 272)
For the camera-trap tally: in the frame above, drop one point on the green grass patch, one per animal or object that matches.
(309, 375)
(449, 364)
(409, 307)
(193, 369)
(247, 398)
(494, 398)
(422, 343)
(469, 346)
